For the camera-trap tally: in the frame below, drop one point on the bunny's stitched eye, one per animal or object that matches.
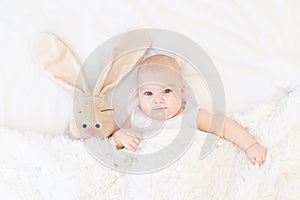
(84, 125)
(108, 109)
(97, 126)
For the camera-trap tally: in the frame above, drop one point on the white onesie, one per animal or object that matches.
(156, 136)
(159, 134)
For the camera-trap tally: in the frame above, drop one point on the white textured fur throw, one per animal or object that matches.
(37, 166)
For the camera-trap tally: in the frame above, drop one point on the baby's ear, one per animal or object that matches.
(182, 88)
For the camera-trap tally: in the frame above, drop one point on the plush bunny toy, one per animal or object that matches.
(92, 116)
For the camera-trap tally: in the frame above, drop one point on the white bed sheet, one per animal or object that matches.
(255, 46)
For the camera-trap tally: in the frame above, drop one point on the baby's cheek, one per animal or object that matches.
(144, 106)
(176, 103)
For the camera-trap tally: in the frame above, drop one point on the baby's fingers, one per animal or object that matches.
(136, 140)
(261, 160)
(138, 135)
(132, 144)
(131, 147)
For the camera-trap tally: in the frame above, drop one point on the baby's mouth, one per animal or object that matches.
(159, 108)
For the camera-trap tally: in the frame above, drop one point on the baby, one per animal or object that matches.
(160, 92)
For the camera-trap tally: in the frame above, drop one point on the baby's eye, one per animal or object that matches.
(166, 91)
(148, 93)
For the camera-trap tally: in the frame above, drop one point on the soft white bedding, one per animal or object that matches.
(36, 166)
(255, 46)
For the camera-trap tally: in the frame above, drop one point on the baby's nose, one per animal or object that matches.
(158, 99)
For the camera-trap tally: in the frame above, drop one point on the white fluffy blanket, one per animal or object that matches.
(36, 166)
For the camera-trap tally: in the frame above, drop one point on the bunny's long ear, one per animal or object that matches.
(130, 50)
(58, 61)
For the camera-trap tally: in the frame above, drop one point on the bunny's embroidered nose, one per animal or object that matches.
(91, 131)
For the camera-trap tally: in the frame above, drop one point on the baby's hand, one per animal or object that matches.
(128, 138)
(256, 153)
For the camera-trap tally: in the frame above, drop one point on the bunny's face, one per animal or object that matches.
(91, 117)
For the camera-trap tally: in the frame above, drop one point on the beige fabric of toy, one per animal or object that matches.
(91, 115)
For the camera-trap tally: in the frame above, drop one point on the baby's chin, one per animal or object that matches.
(157, 114)
(161, 115)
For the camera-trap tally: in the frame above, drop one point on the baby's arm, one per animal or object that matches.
(127, 137)
(233, 132)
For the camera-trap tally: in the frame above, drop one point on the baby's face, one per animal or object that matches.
(159, 102)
